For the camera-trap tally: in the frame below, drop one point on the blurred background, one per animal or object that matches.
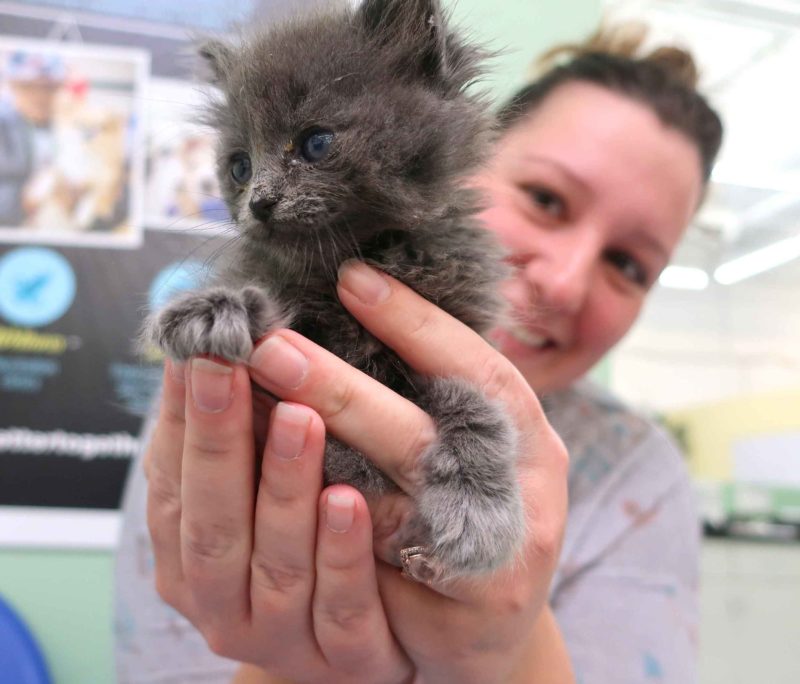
(129, 174)
(716, 354)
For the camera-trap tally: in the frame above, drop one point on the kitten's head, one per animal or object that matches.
(353, 120)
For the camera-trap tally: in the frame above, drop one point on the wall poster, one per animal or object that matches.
(108, 205)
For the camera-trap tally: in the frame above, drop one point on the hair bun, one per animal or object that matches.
(678, 63)
(626, 40)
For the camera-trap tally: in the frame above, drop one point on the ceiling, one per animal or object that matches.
(749, 53)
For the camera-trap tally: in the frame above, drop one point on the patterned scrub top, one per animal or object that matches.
(624, 594)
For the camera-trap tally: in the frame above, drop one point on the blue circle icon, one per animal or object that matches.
(37, 286)
(174, 279)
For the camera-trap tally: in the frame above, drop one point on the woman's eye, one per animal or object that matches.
(241, 169)
(547, 201)
(316, 146)
(628, 266)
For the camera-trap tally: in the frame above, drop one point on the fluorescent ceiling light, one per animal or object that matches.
(769, 207)
(760, 179)
(683, 278)
(760, 260)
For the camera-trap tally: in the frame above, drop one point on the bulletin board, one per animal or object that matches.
(108, 206)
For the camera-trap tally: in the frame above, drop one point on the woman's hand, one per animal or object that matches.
(273, 586)
(475, 630)
(268, 568)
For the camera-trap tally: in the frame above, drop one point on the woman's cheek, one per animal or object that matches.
(500, 221)
(606, 320)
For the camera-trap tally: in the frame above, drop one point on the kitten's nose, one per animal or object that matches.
(262, 207)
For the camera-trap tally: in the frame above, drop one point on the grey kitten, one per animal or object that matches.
(348, 134)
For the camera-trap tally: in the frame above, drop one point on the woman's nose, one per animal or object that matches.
(562, 274)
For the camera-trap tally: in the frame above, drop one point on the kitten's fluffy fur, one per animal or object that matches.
(388, 81)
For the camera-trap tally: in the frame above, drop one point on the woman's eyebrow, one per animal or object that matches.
(651, 243)
(561, 168)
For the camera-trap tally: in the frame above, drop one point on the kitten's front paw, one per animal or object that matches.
(471, 517)
(217, 322)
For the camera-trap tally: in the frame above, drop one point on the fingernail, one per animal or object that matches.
(339, 512)
(280, 363)
(288, 434)
(417, 566)
(212, 385)
(176, 371)
(363, 282)
(421, 570)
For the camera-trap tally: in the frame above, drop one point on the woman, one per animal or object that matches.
(602, 164)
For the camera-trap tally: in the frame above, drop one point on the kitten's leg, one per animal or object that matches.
(218, 321)
(469, 507)
(345, 465)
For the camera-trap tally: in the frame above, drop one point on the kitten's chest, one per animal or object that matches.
(328, 324)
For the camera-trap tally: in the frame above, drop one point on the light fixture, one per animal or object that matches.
(683, 278)
(758, 261)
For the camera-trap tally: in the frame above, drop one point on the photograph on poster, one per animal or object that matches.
(200, 14)
(181, 187)
(70, 117)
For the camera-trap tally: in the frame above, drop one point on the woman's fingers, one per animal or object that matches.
(249, 563)
(435, 343)
(314, 593)
(355, 407)
(162, 466)
(349, 619)
(427, 338)
(217, 486)
(282, 567)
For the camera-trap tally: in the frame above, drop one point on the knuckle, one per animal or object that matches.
(210, 445)
(281, 492)
(172, 416)
(167, 590)
(208, 541)
(514, 601)
(354, 659)
(407, 466)
(391, 519)
(496, 375)
(422, 324)
(164, 493)
(347, 619)
(218, 642)
(560, 456)
(339, 399)
(278, 579)
(158, 537)
(547, 538)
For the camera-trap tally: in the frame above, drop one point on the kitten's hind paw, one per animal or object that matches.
(218, 322)
(470, 507)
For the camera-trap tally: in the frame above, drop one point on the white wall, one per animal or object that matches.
(694, 347)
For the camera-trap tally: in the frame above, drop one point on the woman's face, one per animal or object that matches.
(590, 194)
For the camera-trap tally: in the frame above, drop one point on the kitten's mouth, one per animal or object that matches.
(274, 227)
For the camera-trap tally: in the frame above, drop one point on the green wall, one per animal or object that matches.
(521, 30)
(66, 596)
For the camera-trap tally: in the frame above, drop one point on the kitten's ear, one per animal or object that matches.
(218, 56)
(418, 25)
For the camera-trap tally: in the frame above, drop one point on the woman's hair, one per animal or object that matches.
(664, 79)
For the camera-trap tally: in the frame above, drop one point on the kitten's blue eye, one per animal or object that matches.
(316, 146)
(241, 169)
